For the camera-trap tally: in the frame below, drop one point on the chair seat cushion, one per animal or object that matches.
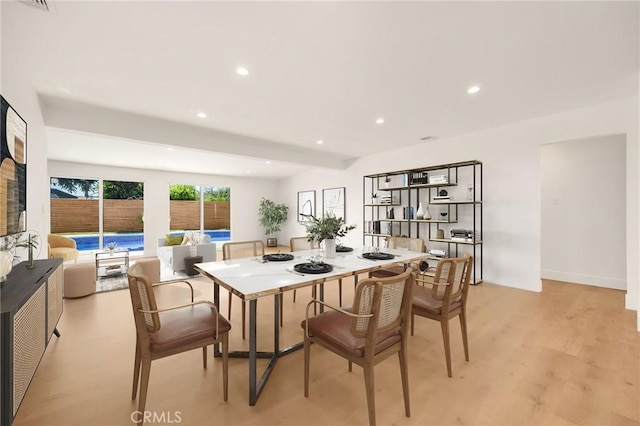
(182, 326)
(66, 253)
(335, 328)
(388, 272)
(423, 301)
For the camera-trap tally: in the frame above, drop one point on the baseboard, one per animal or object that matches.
(606, 282)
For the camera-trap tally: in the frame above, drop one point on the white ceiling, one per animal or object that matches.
(318, 70)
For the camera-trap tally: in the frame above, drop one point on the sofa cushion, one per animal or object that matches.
(173, 240)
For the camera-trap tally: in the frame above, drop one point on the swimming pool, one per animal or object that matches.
(135, 241)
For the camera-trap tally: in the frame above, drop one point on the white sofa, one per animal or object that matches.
(173, 256)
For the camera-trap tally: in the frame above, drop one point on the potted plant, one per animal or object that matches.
(272, 216)
(327, 229)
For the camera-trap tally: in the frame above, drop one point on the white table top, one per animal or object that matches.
(250, 278)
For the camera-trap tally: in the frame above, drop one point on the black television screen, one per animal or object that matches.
(13, 171)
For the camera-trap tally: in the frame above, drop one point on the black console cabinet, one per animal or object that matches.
(31, 305)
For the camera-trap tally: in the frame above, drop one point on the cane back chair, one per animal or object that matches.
(169, 331)
(444, 297)
(371, 330)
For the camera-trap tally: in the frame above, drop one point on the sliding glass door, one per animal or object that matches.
(123, 213)
(200, 208)
(96, 213)
(75, 210)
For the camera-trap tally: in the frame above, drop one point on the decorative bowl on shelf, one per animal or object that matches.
(313, 268)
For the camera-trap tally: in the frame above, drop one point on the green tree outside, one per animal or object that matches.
(183, 192)
(116, 190)
(88, 187)
(217, 194)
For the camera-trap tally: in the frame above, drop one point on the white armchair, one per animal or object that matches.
(173, 256)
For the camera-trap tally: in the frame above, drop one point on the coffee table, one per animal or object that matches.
(112, 262)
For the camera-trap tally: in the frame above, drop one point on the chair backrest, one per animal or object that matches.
(388, 300)
(143, 298)
(406, 243)
(302, 243)
(240, 249)
(55, 240)
(456, 273)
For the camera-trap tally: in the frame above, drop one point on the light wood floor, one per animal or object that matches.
(568, 355)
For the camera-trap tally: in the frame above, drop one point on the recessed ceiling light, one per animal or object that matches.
(170, 148)
(268, 162)
(319, 142)
(201, 115)
(242, 71)
(473, 89)
(380, 120)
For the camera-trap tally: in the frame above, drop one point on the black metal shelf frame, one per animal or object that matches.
(408, 194)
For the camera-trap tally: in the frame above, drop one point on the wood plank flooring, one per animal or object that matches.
(569, 355)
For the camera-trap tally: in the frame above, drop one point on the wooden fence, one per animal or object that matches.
(80, 215)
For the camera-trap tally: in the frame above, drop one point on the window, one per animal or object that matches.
(200, 208)
(95, 213)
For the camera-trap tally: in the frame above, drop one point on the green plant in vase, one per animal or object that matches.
(326, 229)
(271, 217)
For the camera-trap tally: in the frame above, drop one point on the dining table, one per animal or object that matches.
(253, 278)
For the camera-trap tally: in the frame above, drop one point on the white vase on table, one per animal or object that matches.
(329, 248)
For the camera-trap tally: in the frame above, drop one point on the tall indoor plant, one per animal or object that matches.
(327, 229)
(272, 216)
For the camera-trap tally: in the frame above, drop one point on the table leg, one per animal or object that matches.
(322, 297)
(253, 350)
(216, 301)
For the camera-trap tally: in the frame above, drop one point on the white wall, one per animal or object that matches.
(583, 211)
(512, 184)
(245, 196)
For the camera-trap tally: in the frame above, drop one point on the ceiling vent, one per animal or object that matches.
(40, 4)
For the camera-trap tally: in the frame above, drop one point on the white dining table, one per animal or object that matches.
(252, 278)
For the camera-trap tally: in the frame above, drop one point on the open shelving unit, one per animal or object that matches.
(457, 207)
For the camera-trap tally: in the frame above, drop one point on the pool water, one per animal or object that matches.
(135, 241)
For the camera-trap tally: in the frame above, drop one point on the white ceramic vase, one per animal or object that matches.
(329, 248)
(420, 212)
(6, 263)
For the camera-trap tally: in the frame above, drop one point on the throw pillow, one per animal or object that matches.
(173, 240)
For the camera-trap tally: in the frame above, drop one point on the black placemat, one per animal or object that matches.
(378, 256)
(277, 257)
(313, 268)
(343, 249)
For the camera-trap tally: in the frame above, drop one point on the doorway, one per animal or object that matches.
(583, 211)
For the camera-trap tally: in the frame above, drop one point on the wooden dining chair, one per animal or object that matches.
(444, 297)
(169, 331)
(238, 250)
(370, 331)
(402, 243)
